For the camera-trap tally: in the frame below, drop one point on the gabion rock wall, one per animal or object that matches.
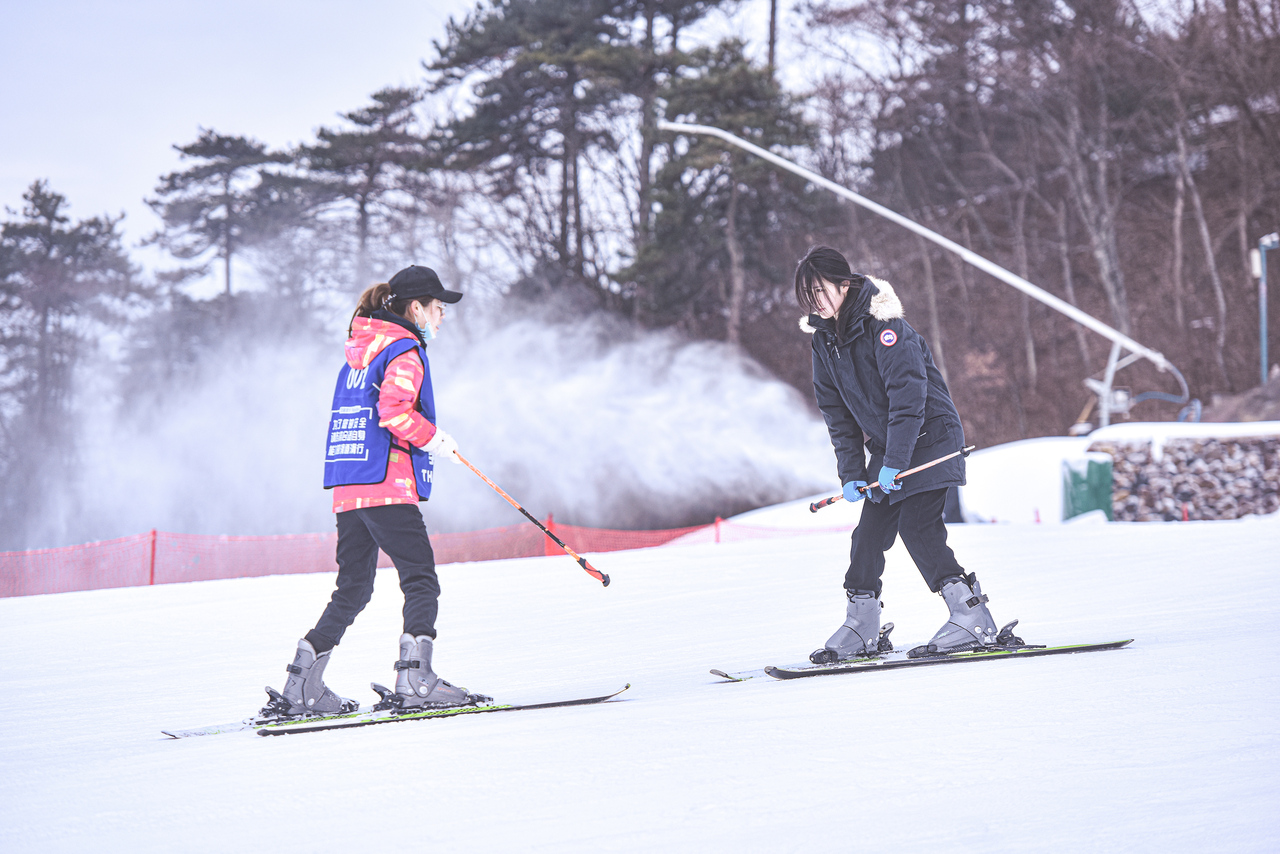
(1209, 478)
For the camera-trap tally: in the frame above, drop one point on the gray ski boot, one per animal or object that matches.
(305, 691)
(970, 626)
(860, 635)
(418, 686)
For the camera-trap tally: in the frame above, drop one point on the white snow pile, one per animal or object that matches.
(1022, 481)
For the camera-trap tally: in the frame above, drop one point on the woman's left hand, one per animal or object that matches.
(887, 482)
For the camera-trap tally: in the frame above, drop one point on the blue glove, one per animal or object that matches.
(853, 492)
(887, 475)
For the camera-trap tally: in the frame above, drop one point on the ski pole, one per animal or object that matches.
(827, 502)
(582, 561)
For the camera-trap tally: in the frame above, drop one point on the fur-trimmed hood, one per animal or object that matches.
(882, 305)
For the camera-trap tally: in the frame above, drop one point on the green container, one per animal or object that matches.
(1086, 485)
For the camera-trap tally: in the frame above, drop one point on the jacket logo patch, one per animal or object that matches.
(888, 338)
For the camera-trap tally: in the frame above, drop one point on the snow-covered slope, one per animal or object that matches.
(1171, 745)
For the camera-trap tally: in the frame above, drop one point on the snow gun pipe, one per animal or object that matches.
(827, 502)
(968, 256)
(582, 561)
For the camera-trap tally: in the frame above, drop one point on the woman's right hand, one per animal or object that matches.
(853, 490)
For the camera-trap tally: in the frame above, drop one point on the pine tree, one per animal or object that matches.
(213, 204)
(715, 258)
(656, 29)
(550, 75)
(363, 166)
(57, 283)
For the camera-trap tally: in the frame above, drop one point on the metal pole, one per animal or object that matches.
(1270, 241)
(582, 561)
(1104, 406)
(1262, 316)
(866, 490)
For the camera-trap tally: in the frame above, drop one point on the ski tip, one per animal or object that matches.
(604, 579)
(729, 677)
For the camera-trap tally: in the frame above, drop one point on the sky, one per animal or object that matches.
(96, 94)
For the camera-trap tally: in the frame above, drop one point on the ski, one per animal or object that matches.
(357, 719)
(760, 672)
(884, 645)
(218, 729)
(900, 659)
(744, 675)
(272, 712)
(309, 722)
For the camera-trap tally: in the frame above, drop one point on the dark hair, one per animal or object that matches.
(379, 297)
(822, 263)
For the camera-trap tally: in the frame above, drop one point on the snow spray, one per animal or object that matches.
(594, 420)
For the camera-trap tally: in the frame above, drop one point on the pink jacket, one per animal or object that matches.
(396, 399)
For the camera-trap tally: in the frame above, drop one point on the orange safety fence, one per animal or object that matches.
(160, 557)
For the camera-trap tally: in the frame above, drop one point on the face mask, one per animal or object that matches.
(427, 332)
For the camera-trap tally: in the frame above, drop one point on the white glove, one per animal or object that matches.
(443, 443)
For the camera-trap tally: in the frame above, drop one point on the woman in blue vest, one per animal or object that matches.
(382, 444)
(880, 392)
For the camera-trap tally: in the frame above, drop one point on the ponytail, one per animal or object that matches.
(374, 298)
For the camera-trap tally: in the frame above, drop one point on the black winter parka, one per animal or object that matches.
(874, 377)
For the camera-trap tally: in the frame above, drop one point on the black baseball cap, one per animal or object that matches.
(417, 282)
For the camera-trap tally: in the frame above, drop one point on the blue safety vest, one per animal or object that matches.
(359, 450)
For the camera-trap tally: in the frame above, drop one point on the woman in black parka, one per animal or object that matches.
(879, 390)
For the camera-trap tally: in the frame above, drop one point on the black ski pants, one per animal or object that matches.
(399, 531)
(918, 520)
